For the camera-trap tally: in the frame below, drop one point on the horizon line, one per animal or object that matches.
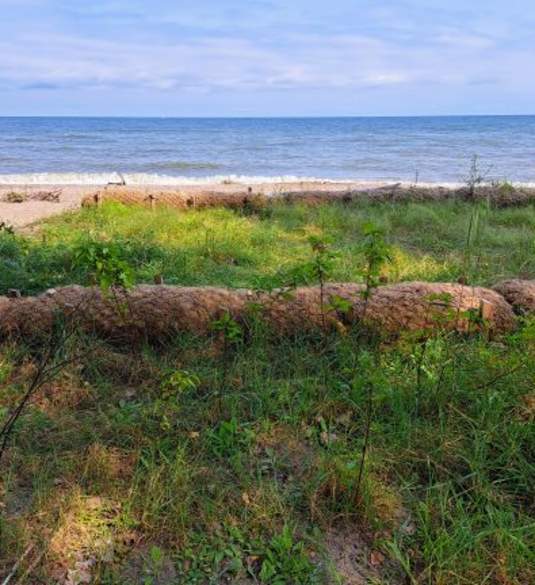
(261, 117)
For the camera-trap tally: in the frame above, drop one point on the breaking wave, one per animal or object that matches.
(148, 179)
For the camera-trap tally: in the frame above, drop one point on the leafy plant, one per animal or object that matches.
(229, 328)
(166, 407)
(180, 381)
(229, 437)
(321, 268)
(285, 562)
(105, 262)
(377, 253)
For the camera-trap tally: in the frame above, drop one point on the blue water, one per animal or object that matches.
(436, 149)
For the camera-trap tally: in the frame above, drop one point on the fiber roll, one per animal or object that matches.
(518, 293)
(158, 311)
(240, 198)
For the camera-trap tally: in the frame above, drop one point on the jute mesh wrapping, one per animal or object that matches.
(153, 196)
(518, 293)
(159, 311)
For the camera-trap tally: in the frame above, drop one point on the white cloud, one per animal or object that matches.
(213, 63)
(253, 47)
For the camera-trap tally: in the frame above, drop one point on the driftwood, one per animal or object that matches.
(120, 182)
(158, 311)
(52, 196)
(518, 293)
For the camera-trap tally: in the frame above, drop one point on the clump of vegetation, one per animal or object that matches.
(7, 229)
(476, 177)
(15, 197)
(505, 188)
(104, 263)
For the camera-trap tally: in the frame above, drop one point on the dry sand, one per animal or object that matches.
(31, 211)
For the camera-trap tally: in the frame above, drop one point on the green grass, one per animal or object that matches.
(202, 465)
(222, 247)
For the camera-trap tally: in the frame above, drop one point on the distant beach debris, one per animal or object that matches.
(52, 196)
(120, 183)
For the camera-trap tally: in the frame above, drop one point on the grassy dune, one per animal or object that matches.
(213, 462)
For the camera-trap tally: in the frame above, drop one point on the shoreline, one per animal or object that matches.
(29, 204)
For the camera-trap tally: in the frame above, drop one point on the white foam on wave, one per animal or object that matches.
(59, 179)
(148, 179)
(81, 179)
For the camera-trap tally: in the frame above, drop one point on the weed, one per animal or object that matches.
(376, 254)
(229, 437)
(103, 260)
(476, 176)
(285, 562)
(472, 247)
(321, 269)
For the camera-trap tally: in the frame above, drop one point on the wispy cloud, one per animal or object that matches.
(264, 46)
(58, 61)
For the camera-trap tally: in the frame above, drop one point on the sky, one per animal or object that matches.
(266, 57)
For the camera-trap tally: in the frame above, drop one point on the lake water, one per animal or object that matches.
(182, 150)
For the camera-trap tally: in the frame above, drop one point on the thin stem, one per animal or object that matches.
(365, 446)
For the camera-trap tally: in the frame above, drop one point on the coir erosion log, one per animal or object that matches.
(158, 311)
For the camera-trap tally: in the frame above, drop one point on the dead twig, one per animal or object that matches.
(16, 566)
(49, 365)
(30, 569)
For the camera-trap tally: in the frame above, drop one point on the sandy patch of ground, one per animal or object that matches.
(355, 563)
(30, 210)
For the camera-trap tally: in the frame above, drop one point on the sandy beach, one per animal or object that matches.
(24, 205)
(70, 197)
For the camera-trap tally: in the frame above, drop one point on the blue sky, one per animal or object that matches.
(266, 57)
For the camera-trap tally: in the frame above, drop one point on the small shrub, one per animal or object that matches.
(104, 261)
(179, 382)
(376, 253)
(229, 329)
